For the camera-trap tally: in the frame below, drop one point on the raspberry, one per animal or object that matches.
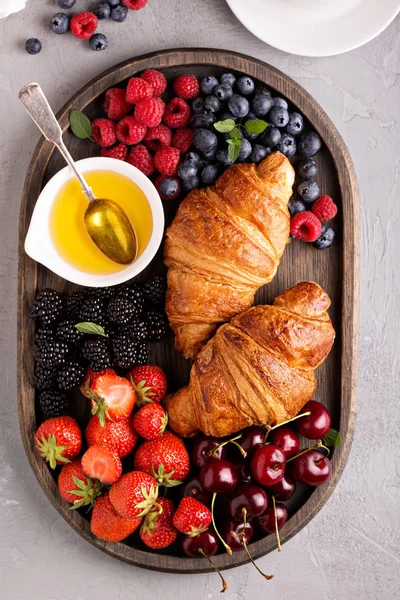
(115, 106)
(156, 80)
(171, 185)
(324, 208)
(141, 158)
(305, 226)
(120, 151)
(83, 25)
(149, 112)
(103, 132)
(138, 89)
(177, 114)
(166, 161)
(187, 86)
(134, 4)
(158, 137)
(129, 131)
(182, 140)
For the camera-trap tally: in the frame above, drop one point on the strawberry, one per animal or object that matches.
(102, 463)
(157, 530)
(149, 382)
(75, 487)
(108, 525)
(120, 437)
(59, 440)
(134, 494)
(90, 378)
(191, 517)
(165, 458)
(112, 397)
(150, 421)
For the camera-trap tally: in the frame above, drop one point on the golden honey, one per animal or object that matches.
(67, 227)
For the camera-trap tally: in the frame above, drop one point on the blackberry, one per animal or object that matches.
(73, 304)
(157, 325)
(51, 353)
(121, 310)
(44, 379)
(154, 290)
(96, 352)
(137, 329)
(134, 294)
(106, 293)
(127, 351)
(92, 311)
(47, 307)
(42, 336)
(70, 375)
(53, 404)
(142, 354)
(67, 331)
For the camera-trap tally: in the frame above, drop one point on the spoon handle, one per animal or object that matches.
(38, 108)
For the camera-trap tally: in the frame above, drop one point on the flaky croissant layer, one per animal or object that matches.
(259, 368)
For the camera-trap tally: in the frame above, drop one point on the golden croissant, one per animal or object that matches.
(223, 244)
(259, 368)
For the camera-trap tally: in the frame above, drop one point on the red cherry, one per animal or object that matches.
(252, 438)
(267, 520)
(231, 533)
(287, 440)
(193, 488)
(248, 497)
(268, 465)
(202, 447)
(315, 425)
(207, 541)
(312, 468)
(243, 470)
(218, 475)
(284, 489)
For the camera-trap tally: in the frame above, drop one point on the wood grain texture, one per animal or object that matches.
(335, 270)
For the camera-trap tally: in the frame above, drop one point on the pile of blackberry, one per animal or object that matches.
(129, 315)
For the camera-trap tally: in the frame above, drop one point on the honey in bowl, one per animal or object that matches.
(67, 226)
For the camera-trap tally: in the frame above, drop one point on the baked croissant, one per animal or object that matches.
(259, 368)
(224, 243)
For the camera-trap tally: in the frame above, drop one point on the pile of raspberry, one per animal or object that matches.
(145, 131)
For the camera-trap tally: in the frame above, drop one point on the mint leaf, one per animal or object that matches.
(224, 126)
(235, 134)
(92, 328)
(80, 124)
(234, 149)
(256, 126)
(332, 439)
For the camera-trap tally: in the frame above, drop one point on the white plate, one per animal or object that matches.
(315, 27)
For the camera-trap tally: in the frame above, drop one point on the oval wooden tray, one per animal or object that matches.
(336, 270)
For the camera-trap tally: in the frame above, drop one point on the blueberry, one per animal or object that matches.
(202, 120)
(209, 174)
(270, 137)
(238, 106)
(259, 153)
(197, 104)
(192, 158)
(191, 183)
(280, 102)
(228, 78)
(203, 163)
(33, 46)
(308, 190)
(204, 140)
(325, 239)
(309, 144)
(119, 13)
(287, 145)
(98, 42)
(278, 116)
(209, 154)
(296, 124)
(223, 92)
(169, 187)
(102, 10)
(295, 206)
(245, 85)
(66, 3)
(187, 170)
(59, 23)
(226, 115)
(113, 3)
(212, 104)
(307, 168)
(245, 151)
(261, 104)
(207, 84)
(223, 157)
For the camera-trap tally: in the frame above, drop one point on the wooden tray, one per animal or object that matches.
(336, 270)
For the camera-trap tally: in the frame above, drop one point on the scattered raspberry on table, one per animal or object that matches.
(305, 226)
(324, 208)
(83, 25)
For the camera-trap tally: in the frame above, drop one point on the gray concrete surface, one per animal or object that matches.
(351, 550)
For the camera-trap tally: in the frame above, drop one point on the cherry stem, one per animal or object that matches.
(214, 566)
(225, 545)
(268, 428)
(319, 444)
(278, 539)
(233, 441)
(244, 542)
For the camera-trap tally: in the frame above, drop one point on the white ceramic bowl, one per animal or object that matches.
(38, 242)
